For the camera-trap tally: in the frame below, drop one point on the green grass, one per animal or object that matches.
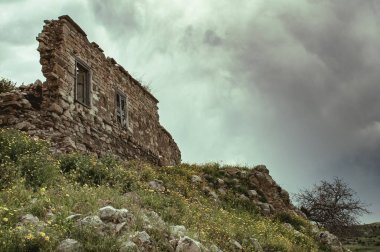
(54, 187)
(362, 248)
(363, 238)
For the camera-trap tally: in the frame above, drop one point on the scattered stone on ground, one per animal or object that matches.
(69, 245)
(128, 246)
(252, 193)
(178, 230)
(157, 185)
(111, 214)
(140, 237)
(236, 245)
(186, 244)
(330, 240)
(196, 179)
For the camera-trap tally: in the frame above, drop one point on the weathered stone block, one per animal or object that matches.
(24, 125)
(55, 108)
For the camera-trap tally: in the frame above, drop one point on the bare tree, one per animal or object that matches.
(333, 205)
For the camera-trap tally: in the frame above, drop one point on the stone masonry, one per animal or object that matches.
(88, 103)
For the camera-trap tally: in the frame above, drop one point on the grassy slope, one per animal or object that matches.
(52, 187)
(363, 238)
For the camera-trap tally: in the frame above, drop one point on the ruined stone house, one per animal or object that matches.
(88, 102)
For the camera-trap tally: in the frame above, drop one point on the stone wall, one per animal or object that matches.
(50, 110)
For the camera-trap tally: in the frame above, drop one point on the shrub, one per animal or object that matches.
(38, 170)
(172, 208)
(15, 144)
(71, 162)
(89, 170)
(296, 221)
(83, 169)
(212, 169)
(8, 173)
(20, 155)
(92, 240)
(6, 85)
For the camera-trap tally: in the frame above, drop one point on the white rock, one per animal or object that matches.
(29, 219)
(220, 181)
(252, 193)
(122, 215)
(111, 214)
(214, 195)
(186, 244)
(119, 227)
(214, 248)
(256, 245)
(69, 245)
(92, 221)
(237, 245)
(157, 185)
(265, 208)
(243, 197)
(178, 231)
(196, 179)
(222, 191)
(73, 217)
(141, 237)
(288, 226)
(331, 240)
(151, 220)
(128, 246)
(107, 213)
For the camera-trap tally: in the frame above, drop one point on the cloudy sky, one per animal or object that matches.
(291, 84)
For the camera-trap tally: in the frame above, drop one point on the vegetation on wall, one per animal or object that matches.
(6, 85)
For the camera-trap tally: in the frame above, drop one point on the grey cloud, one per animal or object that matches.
(16, 32)
(187, 42)
(211, 38)
(121, 18)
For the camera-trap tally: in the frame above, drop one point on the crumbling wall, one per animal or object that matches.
(70, 125)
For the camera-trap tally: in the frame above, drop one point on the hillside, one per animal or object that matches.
(363, 238)
(77, 202)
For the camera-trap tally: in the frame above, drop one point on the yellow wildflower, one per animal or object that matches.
(5, 219)
(29, 236)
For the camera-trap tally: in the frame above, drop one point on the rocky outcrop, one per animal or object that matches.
(119, 223)
(253, 186)
(329, 240)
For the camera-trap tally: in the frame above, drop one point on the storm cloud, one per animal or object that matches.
(291, 84)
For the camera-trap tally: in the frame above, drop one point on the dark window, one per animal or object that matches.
(121, 109)
(82, 84)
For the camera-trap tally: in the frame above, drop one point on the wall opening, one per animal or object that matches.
(121, 109)
(82, 84)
